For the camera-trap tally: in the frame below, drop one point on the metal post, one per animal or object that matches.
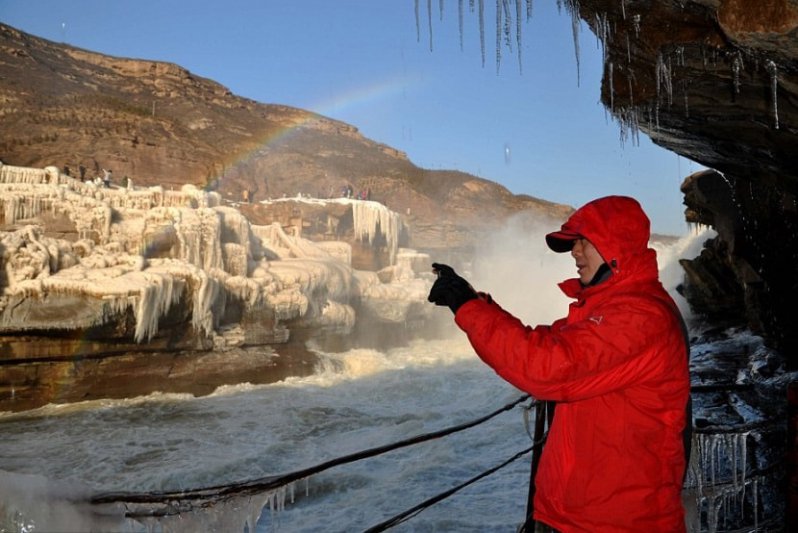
(541, 417)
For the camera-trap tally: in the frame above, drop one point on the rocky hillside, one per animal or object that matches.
(713, 80)
(158, 124)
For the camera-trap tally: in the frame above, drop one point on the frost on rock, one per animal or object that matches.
(398, 293)
(773, 71)
(735, 472)
(373, 222)
(133, 260)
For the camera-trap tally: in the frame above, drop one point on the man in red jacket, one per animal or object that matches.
(617, 367)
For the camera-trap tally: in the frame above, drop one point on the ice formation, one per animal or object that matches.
(142, 252)
(773, 71)
(572, 8)
(664, 79)
(735, 468)
(40, 504)
(370, 219)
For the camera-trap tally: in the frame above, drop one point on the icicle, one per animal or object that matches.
(508, 24)
(204, 297)
(155, 299)
(498, 34)
(744, 455)
(628, 51)
(612, 87)
(636, 24)
(573, 8)
(656, 115)
(603, 34)
(440, 9)
(429, 22)
(733, 440)
(256, 507)
(460, 21)
(712, 513)
(713, 450)
(737, 64)
(663, 74)
(518, 34)
(631, 93)
(623, 9)
(418, 24)
(528, 10)
(772, 69)
(629, 125)
(482, 29)
(686, 104)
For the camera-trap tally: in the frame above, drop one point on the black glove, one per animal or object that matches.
(450, 289)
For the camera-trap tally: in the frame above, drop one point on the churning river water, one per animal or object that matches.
(359, 399)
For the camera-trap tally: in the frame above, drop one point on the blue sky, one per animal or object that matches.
(536, 131)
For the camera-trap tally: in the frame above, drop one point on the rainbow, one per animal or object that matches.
(336, 106)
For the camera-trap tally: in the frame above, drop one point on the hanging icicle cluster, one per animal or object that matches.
(671, 72)
(372, 219)
(672, 67)
(724, 481)
(510, 15)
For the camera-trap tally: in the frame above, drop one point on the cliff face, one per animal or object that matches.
(717, 81)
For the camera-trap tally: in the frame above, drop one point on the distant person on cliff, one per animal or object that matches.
(616, 367)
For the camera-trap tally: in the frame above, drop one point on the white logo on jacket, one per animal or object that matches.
(596, 319)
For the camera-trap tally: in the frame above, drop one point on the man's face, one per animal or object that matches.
(587, 259)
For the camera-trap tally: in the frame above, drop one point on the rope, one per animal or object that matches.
(410, 513)
(219, 492)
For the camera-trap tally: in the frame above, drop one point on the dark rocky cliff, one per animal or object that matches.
(717, 81)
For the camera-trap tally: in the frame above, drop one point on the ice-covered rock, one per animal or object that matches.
(126, 261)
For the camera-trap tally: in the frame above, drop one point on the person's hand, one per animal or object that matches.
(450, 289)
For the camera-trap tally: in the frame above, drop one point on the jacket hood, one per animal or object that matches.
(615, 225)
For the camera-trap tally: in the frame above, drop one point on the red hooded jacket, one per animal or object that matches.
(617, 367)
